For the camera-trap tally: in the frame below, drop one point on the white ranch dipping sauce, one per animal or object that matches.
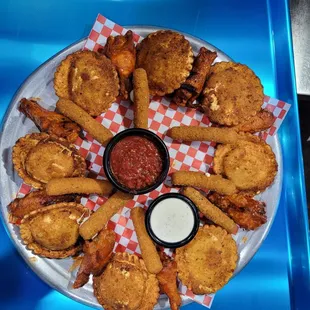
(172, 220)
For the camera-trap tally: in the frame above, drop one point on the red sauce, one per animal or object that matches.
(136, 162)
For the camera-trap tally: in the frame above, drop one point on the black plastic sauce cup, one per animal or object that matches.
(180, 243)
(159, 143)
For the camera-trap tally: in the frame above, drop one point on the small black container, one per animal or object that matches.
(174, 244)
(160, 144)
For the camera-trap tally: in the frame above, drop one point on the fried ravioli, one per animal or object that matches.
(233, 94)
(126, 284)
(207, 263)
(53, 231)
(61, 77)
(39, 157)
(220, 153)
(167, 58)
(251, 166)
(88, 79)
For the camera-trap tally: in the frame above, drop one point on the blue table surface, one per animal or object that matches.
(32, 31)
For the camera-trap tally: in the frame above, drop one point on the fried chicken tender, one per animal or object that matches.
(97, 254)
(247, 212)
(192, 87)
(261, 121)
(200, 180)
(210, 211)
(49, 121)
(208, 262)
(167, 278)
(232, 94)
(121, 51)
(167, 58)
(19, 207)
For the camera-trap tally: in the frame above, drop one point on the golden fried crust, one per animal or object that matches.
(251, 166)
(122, 52)
(53, 231)
(220, 153)
(48, 160)
(126, 284)
(167, 58)
(223, 149)
(207, 263)
(93, 82)
(61, 77)
(20, 207)
(247, 212)
(39, 158)
(20, 152)
(49, 121)
(261, 121)
(191, 89)
(198, 179)
(233, 94)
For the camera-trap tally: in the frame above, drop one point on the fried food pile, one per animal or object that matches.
(54, 224)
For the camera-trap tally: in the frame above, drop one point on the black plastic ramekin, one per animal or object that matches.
(160, 144)
(181, 242)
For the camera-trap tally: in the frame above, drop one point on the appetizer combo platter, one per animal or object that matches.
(127, 196)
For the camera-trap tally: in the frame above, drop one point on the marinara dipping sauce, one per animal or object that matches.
(136, 162)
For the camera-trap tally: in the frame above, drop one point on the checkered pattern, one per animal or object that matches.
(195, 156)
(102, 29)
(279, 109)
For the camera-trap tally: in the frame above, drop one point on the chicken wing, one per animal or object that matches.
(261, 121)
(191, 89)
(167, 278)
(247, 212)
(19, 207)
(97, 254)
(122, 52)
(49, 121)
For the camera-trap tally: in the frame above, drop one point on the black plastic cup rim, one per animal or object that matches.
(160, 144)
(181, 242)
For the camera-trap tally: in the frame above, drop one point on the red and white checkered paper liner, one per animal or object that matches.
(194, 156)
